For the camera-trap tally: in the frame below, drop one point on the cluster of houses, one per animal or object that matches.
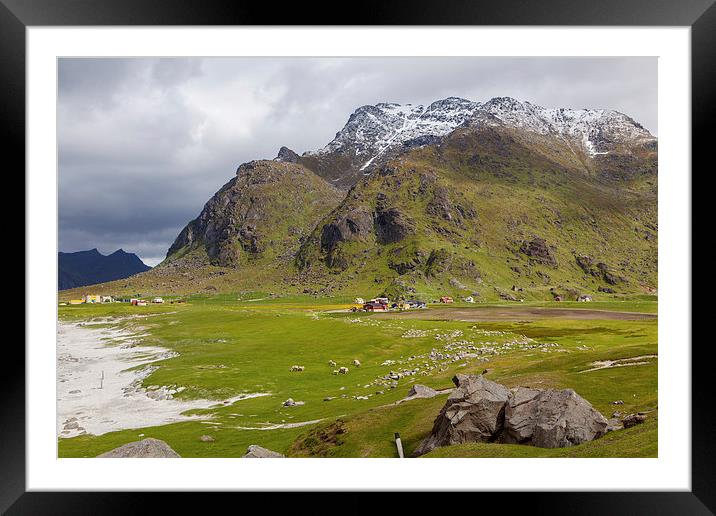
(135, 301)
(92, 299)
(97, 299)
(383, 304)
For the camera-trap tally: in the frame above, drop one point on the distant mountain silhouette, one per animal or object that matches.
(91, 267)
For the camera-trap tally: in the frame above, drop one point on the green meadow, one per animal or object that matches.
(234, 344)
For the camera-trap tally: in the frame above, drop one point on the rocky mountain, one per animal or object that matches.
(262, 215)
(499, 200)
(492, 212)
(376, 133)
(91, 267)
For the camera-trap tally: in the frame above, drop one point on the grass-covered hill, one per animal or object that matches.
(483, 211)
(514, 203)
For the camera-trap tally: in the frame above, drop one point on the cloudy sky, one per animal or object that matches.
(144, 143)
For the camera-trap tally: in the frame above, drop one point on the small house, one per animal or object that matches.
(381, 300)
(76, 301)
(157, 300)
(141, 303)
(359, 301)
(92, 298)
(133, 301)
(446, 299)
(106, 299)
(375, 307)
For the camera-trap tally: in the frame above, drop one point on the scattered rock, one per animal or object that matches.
(356, 363)
(421, 391)
(146, 448)
(614, 424)
(207, 439)
(257, 452)
(633, 420)
(343, 370)
(618, 402)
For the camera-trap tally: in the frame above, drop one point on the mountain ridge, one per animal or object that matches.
(82, 268)
(482, 198)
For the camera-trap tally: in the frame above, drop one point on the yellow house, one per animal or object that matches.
(91, 298)
(76, 301)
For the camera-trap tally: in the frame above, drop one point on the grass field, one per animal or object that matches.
(234, 344)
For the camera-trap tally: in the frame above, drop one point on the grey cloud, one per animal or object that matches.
(143, 143)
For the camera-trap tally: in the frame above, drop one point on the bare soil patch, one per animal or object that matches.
(516, 314)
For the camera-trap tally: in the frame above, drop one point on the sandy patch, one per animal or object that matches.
(276, 426)
(96, 393)
(621, 362)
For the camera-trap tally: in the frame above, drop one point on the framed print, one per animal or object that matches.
(436, 235)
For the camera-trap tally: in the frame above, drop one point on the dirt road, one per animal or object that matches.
(515, 314)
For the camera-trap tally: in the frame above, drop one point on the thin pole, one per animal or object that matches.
(399, 445)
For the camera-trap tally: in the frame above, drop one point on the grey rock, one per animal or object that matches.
(146, 448)
(207, 439)
(421, 391)
(633, 420)
(474, 412)
(614, 424)
(551, 419)
(257, 452)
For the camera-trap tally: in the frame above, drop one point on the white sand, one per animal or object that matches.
(84, 353)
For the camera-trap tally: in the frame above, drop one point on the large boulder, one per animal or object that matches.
(146, 448)
(257, 452)
(474, 412)
(551, 419)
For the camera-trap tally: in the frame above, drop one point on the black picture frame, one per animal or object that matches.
(17, 15)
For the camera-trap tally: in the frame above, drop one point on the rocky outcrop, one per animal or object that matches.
(551, 419)
(287, 155)
(598, 270)
(257, 452)
(391, 225)
(269, 205)
(480, 410)
(539, 252)
(144, 449)
(354, 225)
(474, 412)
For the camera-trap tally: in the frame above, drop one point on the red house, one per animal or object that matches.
(375, 307)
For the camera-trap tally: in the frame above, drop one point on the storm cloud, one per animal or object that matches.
(143, 143)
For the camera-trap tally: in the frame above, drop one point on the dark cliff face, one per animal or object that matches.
(91, 267)
(261, 213)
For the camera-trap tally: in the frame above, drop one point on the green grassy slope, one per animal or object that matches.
(469, 209)
(246, 343)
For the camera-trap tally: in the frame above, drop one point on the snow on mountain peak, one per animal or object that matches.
(371, 131)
